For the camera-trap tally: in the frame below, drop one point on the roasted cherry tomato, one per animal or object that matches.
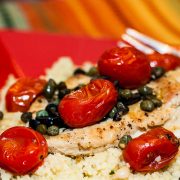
(22, 150)
(152, 150)
(167, 61)
(21, 94)
(127, 65)
(89, 104)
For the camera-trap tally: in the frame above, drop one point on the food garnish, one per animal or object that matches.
(26, 117)
(127, 65)
(22, 93)
(118, 82)
(157, 72)
(152, 150)
(89, 104)
(22, 150)
(49, 89)
(124, 141)
(1, 115)
(166, 61)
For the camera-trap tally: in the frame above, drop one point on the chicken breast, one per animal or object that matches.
(98, 137)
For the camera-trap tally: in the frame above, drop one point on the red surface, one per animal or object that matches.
(30, 53)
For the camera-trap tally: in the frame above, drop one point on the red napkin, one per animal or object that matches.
(28, 54)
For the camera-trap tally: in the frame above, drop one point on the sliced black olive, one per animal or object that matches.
(157, 72)
(147, 105)
(79, 71)
(124, 141)
(93, 71)
(26, 116)
(52, 110)
(53, 130)
(33, 123)
(42, 113)
(145, 90)
(50, 89)
(41, 128)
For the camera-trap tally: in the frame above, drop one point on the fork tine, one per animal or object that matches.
(157, 45)
(138, 45)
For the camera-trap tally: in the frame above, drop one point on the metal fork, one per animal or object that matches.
(145, 43)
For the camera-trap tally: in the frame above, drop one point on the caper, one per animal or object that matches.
(101, 77)
(33, 123)
(157, 72)
(53, 130)
(113, 112)
(117, 116)
(147, 105)
(41, 128)
(56, 101)
(122, 108)
(42, 113)
(134, 99)
(145, 90)
(52, 110)
(63, 92)
(93, 71)
(125, 94)
(157, 102)
(124, 141)
(26, 116)
(62, 85)
(79, 71)
(50, 89)
(116, 84)
(1, 115)
(148, 97)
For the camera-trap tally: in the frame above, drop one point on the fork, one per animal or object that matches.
(145, 43)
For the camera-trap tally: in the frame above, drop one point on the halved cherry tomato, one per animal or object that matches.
(22, 150)
(152, 150)
(21, 94)
(127, 65)
(89, 104)
(167, 61)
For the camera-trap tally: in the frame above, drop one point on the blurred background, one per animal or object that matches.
(94, 18)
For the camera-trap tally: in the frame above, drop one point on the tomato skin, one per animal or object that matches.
(141, 152)
(167, 61)
(89, 104)
(127, 65)
(22, 150)
(22, 93)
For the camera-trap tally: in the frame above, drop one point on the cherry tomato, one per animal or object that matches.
(22, 150)
(167, 61)
(127, 65)
(152, 150)
(89, 104)
(21, 94)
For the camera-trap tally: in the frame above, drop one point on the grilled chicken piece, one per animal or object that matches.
(98, 137)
